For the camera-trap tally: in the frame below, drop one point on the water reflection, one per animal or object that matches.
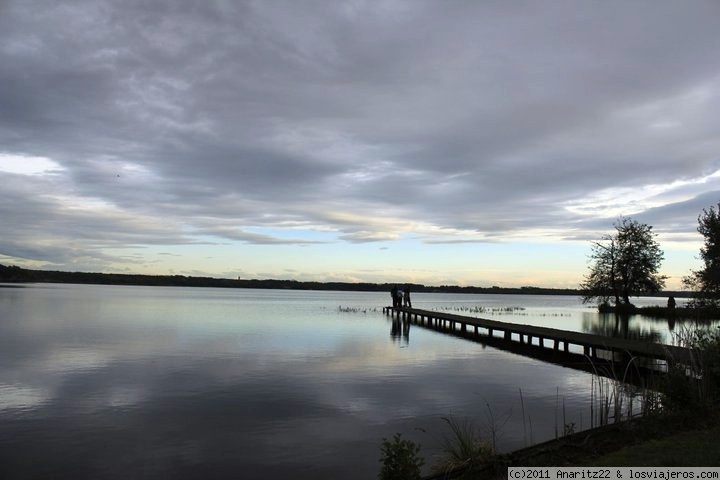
(620, 326)
(676, 323)
(127, 382)
(400, 330)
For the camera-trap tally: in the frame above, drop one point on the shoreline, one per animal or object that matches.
(18, 275)
(596, 446)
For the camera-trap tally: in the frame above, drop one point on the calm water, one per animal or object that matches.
(155, 382)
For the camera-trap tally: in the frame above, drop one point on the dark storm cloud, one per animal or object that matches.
(487, 119)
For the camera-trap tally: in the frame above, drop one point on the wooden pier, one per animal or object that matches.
(544, 338)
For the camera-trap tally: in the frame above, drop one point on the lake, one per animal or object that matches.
(168, 382)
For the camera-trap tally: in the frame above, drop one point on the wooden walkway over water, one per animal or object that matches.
(547, 339)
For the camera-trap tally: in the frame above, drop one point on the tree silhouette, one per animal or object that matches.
(706, 282)
(624, 264)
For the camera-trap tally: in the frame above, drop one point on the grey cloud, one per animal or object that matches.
(257, 238)
(488, 117)
(367, 237)
(673, 218)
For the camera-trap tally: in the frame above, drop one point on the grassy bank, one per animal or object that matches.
(695, 448)
(646, 441)
(681, 439)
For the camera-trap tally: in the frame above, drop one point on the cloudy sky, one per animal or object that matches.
(470, 142)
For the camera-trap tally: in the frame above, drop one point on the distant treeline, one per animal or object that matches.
(14, 274)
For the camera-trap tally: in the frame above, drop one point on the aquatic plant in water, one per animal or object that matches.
(482, 309)
(343, 309)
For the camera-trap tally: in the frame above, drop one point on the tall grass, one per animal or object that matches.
(697, 383)
(495, 424)
(614, 399)
(522, 410)
(463, 447)
(611, 400)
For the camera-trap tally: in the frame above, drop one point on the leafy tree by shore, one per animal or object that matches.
(624, 264)
(706, 281)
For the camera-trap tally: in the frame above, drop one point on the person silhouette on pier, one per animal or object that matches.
(395, 294)
(406, 297)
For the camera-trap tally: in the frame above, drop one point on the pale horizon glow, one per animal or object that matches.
(482, 143)
(26, 165)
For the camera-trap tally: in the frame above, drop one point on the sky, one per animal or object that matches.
(439, 142)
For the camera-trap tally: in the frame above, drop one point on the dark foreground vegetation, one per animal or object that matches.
(14, 274)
